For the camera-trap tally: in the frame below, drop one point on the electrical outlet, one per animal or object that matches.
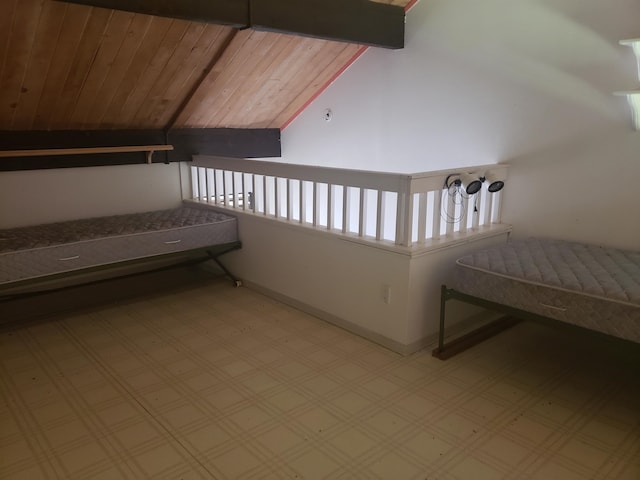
(385, 293)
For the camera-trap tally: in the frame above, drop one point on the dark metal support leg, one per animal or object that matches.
(236, 281)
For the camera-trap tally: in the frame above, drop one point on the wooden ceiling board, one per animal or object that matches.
(71, 32)
(248, 83)
(200, 49)
(100, 69)
(24, 23)
(289, 79)
(45, 39)
(130, 93)
(80, 67)
(250, 107)
(199, 108)
(67, 66)
(303, 89)
(116, 72)
(151, 60)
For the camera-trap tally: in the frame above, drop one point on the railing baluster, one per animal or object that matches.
(422, 217)
(266, 199)
(464, 217)
(362, 212)
(303, 202)
(488, 205)
(496, 207)
(289, 200)
(380, 214)
(437, 213)
(330, 206)
(254, 199)
(195, 183)
(476, 210)
(346, 209)
(276, 194)
(206, 184)
(234, 190)
(314, 199)
(451, 215)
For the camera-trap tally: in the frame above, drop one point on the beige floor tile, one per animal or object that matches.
(353, 443)
(394, 466)
(314, 465)
(216, 382)
(281, 439)
(233, 463)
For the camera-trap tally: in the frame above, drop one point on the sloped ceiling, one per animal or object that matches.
(75, 67)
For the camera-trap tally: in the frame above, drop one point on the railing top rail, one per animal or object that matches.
(392, 182)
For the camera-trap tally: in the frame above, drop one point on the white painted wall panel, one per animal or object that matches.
(45, 196)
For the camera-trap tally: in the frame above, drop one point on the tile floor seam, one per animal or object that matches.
(117, 381)
(78, 405)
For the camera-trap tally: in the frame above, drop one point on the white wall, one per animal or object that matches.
(583, 192)
(478, 83)
(324, 273)
(341, 281)
(43, 196)
(527, 83)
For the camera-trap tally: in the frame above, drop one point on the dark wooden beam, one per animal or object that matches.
(227, 142)
(355, 21)
(234, 13)
(224, 142)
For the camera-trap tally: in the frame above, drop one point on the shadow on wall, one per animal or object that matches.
(584, 191)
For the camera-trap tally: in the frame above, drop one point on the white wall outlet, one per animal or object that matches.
(385, 293)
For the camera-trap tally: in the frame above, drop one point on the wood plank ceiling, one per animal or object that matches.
(74, 67)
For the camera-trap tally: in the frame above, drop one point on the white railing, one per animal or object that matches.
(402, 209)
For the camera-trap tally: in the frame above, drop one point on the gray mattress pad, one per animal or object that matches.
(593, 287)
(60, 233)
(590, 270)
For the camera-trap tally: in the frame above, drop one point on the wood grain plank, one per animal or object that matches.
(110, 44)
(289, 50)
(6, 29)
(154, 106)
(301, 94)
(46, 38)
(88, 48)
(204, 97)
(155, 35)
(275, 92)
(256, 56)
(115, 68)
(190, 61)
(74, 23)
(154, 65)
(248, 81)
(122, 62)
(25, 22)
(298, 66)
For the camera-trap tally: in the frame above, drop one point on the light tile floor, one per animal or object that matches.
(216, 382)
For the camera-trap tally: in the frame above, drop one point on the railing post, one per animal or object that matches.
(404, 215)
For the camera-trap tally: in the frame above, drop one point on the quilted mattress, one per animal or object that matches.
(43, 250)
(593, 287)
